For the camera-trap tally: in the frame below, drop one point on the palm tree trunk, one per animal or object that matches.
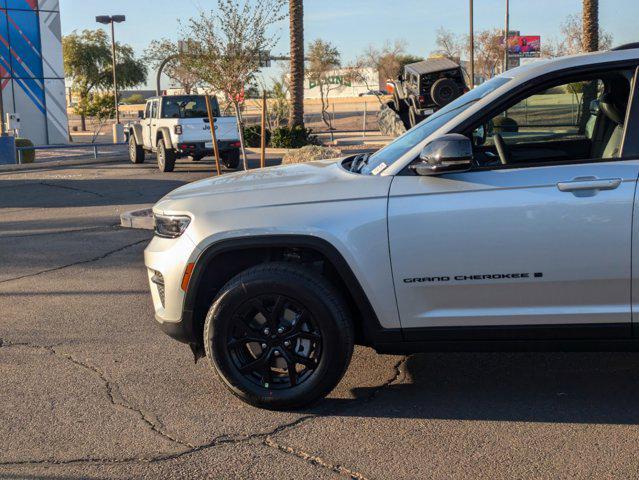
(296, 11)
(591, 25)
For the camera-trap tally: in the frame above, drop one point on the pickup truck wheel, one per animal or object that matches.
(279, 336)
(136, 152)
(231, 159)
(166, 158)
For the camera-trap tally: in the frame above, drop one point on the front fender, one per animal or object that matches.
(136, 131)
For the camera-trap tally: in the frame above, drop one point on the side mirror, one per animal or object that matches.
(140, 114)
(446, 154)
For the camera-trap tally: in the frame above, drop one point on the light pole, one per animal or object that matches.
(506, 31)
(472, 47)
(112, 20)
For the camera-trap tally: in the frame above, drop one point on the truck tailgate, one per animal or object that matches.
(198, 129)
(226, 129)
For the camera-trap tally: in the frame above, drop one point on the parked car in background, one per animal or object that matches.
(376, 93)
(178, 126)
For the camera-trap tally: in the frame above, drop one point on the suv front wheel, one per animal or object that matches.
(279, 336)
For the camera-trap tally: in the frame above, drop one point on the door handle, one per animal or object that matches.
(580, 184)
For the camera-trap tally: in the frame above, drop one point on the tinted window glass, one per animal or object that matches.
(188, 106)
(403, 144)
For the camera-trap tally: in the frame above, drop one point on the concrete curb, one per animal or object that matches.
(61, 163)
(140, 219)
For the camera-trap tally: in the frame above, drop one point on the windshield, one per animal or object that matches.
(188, 106)
(393, 152)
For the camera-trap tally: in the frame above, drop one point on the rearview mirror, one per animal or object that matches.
(449, 153)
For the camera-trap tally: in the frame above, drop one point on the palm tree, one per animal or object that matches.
(591, 25)
(296, 10)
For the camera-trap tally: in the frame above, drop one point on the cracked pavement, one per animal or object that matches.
(90, 387)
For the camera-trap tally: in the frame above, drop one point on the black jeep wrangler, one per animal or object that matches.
(424, 88)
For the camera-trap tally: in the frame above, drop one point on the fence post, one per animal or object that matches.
(19, 157)
(95, 151)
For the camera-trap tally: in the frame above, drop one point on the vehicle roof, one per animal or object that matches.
(540, 67)
(160, 97)
(432, 65)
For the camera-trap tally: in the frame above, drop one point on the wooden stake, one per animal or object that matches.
(216, 148)
(263, 152)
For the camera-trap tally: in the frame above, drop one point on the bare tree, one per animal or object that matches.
(489, 49)
(450, 45)
(296, 12)
(387, 60)
(323, 60)
(179, 73)
(571, 40)
(226, 46)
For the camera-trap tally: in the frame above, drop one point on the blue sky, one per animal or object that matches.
(354, 24)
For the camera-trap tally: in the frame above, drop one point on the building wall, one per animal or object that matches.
(31, 69)
(342, 86)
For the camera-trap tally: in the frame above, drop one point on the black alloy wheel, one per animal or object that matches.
(274, 342)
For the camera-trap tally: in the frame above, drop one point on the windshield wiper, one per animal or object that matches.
(359, 161)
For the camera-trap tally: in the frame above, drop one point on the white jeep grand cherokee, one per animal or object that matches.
(506, 220)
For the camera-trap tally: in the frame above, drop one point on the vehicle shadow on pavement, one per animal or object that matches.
(538, 387)
(53, 193)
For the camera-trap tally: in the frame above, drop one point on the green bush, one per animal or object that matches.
(253, 136)
(28, 156)
(296, 137)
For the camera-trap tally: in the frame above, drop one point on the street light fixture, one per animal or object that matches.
(112, 20)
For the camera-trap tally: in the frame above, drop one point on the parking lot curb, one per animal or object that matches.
(61, 163)
(140, 219)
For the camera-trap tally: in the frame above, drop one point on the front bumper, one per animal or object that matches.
(166, 261)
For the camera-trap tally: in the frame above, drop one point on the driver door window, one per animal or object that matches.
(576, 120)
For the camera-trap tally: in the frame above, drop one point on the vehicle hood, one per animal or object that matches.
(319, 181)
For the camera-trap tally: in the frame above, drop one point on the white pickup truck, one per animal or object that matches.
(178, 126)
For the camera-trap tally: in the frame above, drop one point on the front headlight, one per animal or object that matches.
(170, 226)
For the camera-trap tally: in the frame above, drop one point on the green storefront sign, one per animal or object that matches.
(332, 80)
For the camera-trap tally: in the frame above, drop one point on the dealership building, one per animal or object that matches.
(31, 69)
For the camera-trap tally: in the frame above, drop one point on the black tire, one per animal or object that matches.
(166, 158)
(196, 158)
(136, 152)
(444, 91)
(312, 302)
(231, 159)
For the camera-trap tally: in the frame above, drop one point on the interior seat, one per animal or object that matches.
(612, 107)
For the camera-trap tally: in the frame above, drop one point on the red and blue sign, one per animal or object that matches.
(20, 48)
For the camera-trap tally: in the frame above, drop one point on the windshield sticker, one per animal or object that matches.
(379, 169)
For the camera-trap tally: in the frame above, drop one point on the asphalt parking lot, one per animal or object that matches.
(90, 387)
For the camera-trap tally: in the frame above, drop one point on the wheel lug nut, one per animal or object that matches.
(264, 346)
(280, 330)
(267, 331)
(277, 353)
(287, 343)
